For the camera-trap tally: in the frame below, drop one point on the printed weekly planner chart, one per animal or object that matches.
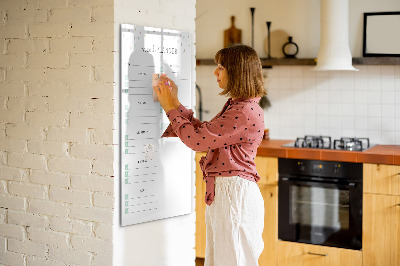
(155, 172)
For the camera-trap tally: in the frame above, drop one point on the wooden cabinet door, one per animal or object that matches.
(381, 230)
(267, 168)
(381, 179)
(200, 209)
(270, 233)
(297, 254)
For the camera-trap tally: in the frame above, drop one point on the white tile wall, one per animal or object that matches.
(338, 104)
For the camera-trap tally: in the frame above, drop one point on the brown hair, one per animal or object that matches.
(245, 78)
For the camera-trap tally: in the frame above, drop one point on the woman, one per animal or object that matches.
(235, 207)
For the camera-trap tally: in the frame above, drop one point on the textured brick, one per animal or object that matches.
(75, 196)
(102, 168)
(103, 44)
(28, 219)
(27, 247)
(26, 74)
(20, 46)
(47, 119)
(36, 261)
(27, 160)
(71, 226)
(2, 74)
(9, 173)
(91, 121)
(3, 189)
(49, 4)
(11, 60)
(103, 14)
(12, 202)
(47, 237)
(103, 74)
(12, 230)
(49, 88)
(70, 165)
(91, 214)
(99, 246)
(11, 259)
(68, 15)
(12, 4)
(93, 183)
(103, 259)
(80, 105)
(3, 214)
(48, 30)
(27, 190)
(25, 132)
(67, 134)
(91, 90)
(48, 207)
(48, 148)
(11, 117)
(14, 89)
(97, 59)
(49, 178)
(29, 16)
(71, 44)
(103, 136)
(103, 231)
(13, 145)
(103, 200)
(74, 74)
(93, 151)
(27, 104)
(69, 256)
(92, 29)
(13, 31)
(52, 60)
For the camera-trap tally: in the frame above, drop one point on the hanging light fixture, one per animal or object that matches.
(334, 51)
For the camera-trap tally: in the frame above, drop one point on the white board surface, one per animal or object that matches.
(156, 173)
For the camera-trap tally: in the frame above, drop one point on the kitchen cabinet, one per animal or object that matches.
(267, 167)
(381, 179)
(381, 215)
(298, 254)
(200, 209)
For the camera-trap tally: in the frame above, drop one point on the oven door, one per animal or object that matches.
(321, 212)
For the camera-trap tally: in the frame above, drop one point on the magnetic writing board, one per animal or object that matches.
(155, 172)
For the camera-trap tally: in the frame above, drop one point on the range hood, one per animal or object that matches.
(334, 51)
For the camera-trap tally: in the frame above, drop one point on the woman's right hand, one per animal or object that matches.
(174, 92)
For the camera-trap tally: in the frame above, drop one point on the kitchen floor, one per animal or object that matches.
(199, 262)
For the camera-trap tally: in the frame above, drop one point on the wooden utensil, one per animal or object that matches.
(232, 35)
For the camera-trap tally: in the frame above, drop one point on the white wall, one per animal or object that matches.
(298, 18)
(338, 104)
(168, 241)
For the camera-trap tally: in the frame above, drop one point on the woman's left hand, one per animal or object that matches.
(164, 94)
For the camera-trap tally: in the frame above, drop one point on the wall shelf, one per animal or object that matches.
(312, 61)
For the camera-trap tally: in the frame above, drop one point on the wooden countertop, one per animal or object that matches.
(379, 154)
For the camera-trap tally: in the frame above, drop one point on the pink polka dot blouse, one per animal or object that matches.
(231, 139)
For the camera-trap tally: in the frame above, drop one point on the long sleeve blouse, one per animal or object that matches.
(231, 139)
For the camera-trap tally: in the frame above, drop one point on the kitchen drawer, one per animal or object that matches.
(267, 168)
(381, 179)
(298, 254)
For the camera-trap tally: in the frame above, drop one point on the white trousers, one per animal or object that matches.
(234, 223)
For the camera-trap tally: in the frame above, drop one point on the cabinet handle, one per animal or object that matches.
(398, 204)
(318, 254)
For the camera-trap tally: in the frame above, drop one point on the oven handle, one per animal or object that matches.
(297, 181)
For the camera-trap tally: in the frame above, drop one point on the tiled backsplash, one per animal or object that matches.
(338, 104)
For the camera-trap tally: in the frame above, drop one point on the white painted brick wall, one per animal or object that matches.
(56, 119)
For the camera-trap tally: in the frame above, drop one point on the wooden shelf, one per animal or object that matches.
(312, 61)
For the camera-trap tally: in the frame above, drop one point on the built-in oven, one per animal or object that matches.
(320, 202)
